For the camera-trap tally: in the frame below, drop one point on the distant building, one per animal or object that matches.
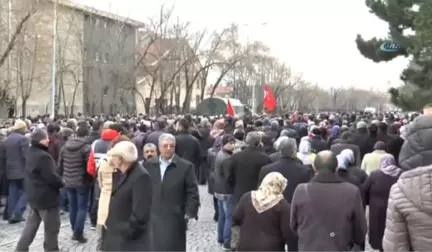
(95, 59)
(160, 69)
(221, 91)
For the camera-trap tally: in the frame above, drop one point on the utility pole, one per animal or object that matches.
(9, 31)
(53, 67)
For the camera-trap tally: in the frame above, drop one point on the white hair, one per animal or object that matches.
(126, 150)
(167, 137)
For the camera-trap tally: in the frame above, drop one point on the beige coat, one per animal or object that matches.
(372, 161)
(409, 212)
(105, 179)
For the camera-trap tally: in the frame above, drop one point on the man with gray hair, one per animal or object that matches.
(175, 190)
(293, 170)
(276, 145)
(245, 166)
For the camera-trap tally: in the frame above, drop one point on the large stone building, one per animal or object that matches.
(169, 79)
(95, 59)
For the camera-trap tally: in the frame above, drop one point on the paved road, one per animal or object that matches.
(201, 235)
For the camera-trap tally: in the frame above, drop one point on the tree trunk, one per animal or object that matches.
(73, 99)
(24, 105)
(65, 107)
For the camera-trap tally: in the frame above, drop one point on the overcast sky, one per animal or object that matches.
(314, 37)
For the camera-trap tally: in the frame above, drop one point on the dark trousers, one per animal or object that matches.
(64, 199)
(17, 200)
(216, 208)
(93, 212)
(51, 220)
(100, 229)
(78, 207)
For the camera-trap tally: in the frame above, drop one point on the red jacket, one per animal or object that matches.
(107, 135)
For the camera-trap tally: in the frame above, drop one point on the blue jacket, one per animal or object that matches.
(16, 150)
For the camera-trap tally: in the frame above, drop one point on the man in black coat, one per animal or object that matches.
(175, 196)
(245, 166)
(294, 171)
(128, 226)
(187, 146)
(42, 186)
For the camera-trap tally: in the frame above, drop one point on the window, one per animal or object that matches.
(97, 57)
(85, 53)
(96, 22)
(105, 24)
(106, 58)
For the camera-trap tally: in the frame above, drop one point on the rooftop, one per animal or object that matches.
(94, 11)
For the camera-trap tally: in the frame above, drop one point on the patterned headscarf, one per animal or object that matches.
(388, 166)
(270, 192)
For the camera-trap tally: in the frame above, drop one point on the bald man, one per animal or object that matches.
(333, 208)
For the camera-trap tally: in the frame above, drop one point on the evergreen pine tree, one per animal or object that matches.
(410, 26)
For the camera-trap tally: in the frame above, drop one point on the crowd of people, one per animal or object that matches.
(298, 182)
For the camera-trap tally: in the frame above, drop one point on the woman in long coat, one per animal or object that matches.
(264, 211)
(376, 192)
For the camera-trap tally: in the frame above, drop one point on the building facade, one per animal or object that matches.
(95, 61)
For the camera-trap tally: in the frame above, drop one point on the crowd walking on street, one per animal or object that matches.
(291, 182)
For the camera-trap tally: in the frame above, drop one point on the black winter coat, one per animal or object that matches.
(244, 169)
(42, 183)
(173, 197)
(294, 171)
(377, 190)
(128, 223)
(188, 147)
(72, 163)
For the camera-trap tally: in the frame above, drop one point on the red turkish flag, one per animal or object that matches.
(230, 110)
(269, 99)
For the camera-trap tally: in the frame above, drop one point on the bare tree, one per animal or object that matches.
(27, 60)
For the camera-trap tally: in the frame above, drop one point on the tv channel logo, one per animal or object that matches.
(390, 46)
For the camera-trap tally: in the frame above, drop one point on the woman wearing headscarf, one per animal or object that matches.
(305, 153)
(345, 161)
(376, 193)
(334, 134)
(263, 216)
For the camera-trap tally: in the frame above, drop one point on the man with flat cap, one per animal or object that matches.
(327, 213)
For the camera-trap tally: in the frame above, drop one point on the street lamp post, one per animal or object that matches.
(54, 58)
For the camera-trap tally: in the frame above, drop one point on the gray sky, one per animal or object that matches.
(314, 37)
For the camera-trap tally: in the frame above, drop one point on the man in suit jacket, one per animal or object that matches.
(175, 196)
